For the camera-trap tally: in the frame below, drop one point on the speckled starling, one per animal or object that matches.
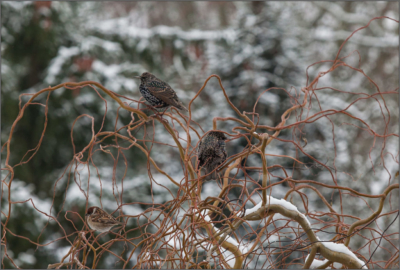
(212, 152)
(158, 93)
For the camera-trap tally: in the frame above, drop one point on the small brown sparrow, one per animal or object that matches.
(100, 220)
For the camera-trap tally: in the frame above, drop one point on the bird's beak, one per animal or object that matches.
(137, 77)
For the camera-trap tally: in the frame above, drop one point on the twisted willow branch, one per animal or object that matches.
(195, 222)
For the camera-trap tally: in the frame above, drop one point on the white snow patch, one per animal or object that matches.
(229, 258)
(206, 217)
(389, 24)
(210, 189)
(173, 239)
(132, 210)
(64, 54)
(90, 42)
(20, 191)
(17, 5)
(242, 247)
(124, 28)
(27, 257)
(316, 263)
(108, 71)
(269, 98)
(342, 249)
(273, 201)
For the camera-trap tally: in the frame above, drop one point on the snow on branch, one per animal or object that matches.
(342, 249)
(123, 28)
(325, 34)
(317, 263)
(332, 251)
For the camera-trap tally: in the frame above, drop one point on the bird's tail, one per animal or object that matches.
(181, 107)
(119, 222)
(210, 176)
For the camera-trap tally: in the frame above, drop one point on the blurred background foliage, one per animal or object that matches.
(252, 46)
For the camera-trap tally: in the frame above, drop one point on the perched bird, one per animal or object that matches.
(212, 152)
(158, 93)
(100, 220)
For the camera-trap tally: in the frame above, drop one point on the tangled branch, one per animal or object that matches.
(193, 232)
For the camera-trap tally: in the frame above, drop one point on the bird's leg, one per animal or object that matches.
(148, 107)
(161, 115)
(164, 111)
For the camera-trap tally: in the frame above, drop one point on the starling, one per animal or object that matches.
(212, 152)
(157, 92)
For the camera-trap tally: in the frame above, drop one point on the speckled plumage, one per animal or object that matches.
(100, 220)
(212, 152)
(158, 93)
